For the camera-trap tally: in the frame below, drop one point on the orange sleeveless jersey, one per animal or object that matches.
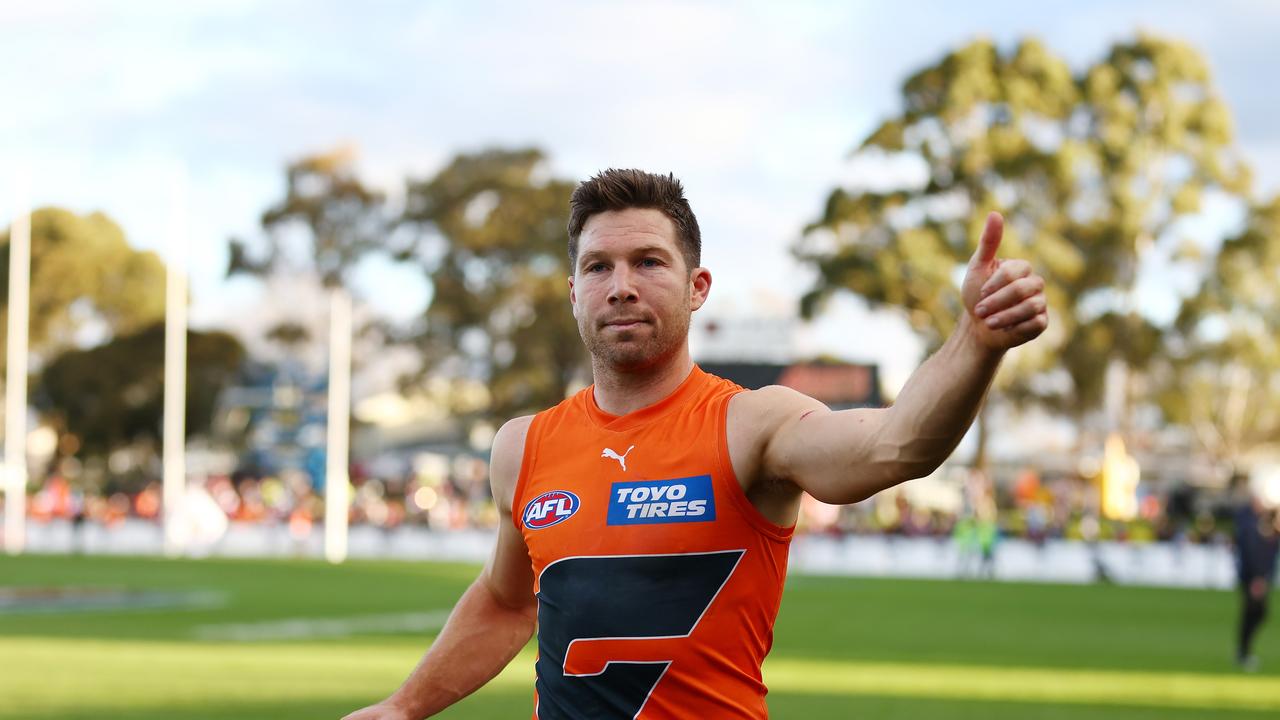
(657, 581)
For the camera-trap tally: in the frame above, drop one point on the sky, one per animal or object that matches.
(137, 108)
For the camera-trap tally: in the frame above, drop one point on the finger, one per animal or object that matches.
(1031, 328)
(1009, 295)
(990, 241)
(1019, 313)
(1007, 272)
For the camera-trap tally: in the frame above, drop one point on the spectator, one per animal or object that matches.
(1256, 545)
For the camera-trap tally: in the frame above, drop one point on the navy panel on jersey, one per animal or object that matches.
(618, 597)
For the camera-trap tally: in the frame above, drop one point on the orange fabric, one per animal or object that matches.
(581, 473)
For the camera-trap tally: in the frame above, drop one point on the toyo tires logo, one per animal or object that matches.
(550, 508)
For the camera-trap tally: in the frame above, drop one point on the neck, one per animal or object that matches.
(619, 392)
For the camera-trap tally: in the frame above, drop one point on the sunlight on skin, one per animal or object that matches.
(47, 675)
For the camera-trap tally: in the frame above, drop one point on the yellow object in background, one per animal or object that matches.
(1120, 475)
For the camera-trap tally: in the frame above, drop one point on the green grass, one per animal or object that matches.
(845, 647)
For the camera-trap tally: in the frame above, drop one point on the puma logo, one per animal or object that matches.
(622, 459)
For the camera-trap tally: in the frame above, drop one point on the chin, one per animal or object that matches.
(628, 358)
(631, 358)
(630, 351)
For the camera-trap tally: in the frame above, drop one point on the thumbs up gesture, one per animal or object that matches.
(1004, 299)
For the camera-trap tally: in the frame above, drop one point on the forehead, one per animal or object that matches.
(620, 229)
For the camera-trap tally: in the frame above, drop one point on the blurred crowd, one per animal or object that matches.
(1028, 506)
(452, 500)
(454, 494)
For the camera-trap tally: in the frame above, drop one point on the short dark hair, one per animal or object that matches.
(616, 189)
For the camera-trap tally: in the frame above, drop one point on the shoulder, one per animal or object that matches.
(754, 421)
(506, 457)
(770, 406)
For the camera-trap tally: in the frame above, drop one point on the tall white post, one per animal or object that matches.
(175, 370)
(336, 501)
(15, 388)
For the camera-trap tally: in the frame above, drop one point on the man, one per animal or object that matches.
(1256, 545)
(645, 521)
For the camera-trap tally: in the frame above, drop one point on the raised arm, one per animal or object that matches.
(844, 457)
(492, 620)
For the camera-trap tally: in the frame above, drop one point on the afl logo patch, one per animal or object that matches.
(550, 508)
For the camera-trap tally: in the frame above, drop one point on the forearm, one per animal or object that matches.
(937, 405)
(848, 456)
(478, 641)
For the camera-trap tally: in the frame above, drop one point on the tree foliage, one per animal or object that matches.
(489, 233)
(1225, 375)
(112, 395)
(1093, 171)
(83, 271)
(328, 211)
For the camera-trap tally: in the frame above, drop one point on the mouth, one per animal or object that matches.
(625, 323)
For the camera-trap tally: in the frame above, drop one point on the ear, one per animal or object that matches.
(573, 297)
(701, 282)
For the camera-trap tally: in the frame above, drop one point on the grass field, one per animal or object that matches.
(299, 639)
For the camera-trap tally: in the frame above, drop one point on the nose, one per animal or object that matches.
(623, 289)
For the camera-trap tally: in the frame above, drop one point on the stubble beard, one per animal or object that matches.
(632, 351)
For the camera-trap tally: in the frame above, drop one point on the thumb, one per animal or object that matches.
(990, 242)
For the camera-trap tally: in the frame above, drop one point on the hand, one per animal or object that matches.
(1258, 588)
(1004, 298)
(382, 711)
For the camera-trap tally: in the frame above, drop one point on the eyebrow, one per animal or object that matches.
(594, 255)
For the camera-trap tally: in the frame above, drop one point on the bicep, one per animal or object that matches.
(509, 571)
(835, 456)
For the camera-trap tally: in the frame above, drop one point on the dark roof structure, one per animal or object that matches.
(839, 385)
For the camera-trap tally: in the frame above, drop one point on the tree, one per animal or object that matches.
(489, 233)
(1093, 172)
(112, 395)
(326, 222)
(1225, 374)
(83, 272)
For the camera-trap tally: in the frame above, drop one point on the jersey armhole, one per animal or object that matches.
(733, 488)
(527, 460)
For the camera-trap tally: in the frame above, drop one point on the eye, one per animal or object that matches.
(595, 267)
(650, 262)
